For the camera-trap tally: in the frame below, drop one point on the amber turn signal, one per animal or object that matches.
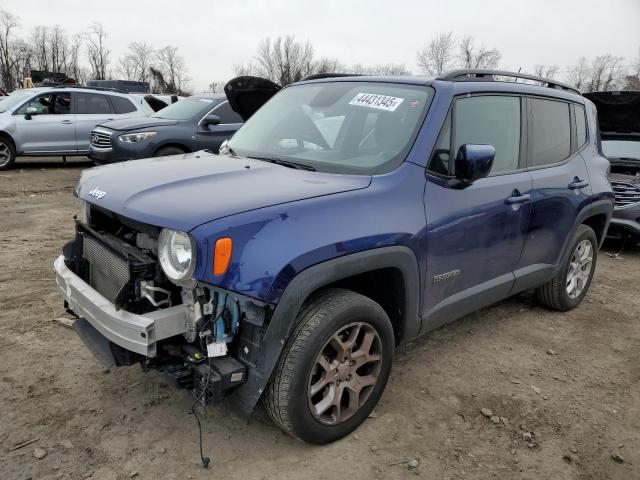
(222, 255)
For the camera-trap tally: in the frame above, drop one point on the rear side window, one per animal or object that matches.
(581, 125)
(492, 120)
(551, 135)
(226, 113)
(122, 105)
(92, 103)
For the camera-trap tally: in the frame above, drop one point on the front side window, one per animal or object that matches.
(551, 135)
(490, 120)
(92, 103)
(48, 104)
(337, 127)
(226, 113)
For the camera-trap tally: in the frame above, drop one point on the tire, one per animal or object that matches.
(555, 294)
(287, 397)
(166, 151)
(7, 153)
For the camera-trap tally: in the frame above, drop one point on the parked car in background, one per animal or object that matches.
(619, 119)
(193, 123)
(57, 121)
(345, 218)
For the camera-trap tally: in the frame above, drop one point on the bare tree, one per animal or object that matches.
(396, 69)
(482, 57)
(8, 24)
(98, 52)
(547, 71)
(40, 44)
(135, 64)
(284, 60)
(606, 73)
(174, 70)
(578, 74)
(327, 65)
(438, 55)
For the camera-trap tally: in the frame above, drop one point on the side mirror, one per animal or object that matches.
(473, 162)
(31, 111)
(211, 120)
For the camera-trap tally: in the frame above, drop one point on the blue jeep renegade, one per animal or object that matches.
(346, 217)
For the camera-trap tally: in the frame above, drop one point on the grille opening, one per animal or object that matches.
(100, 139)
(625, 193)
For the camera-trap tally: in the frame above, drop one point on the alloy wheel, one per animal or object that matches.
(5, 154)
(345, 373)
(579, 268)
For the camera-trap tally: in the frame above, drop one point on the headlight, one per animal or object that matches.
(136, 137)
(176, 251)
(83, 215)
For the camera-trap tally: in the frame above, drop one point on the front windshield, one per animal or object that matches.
(621, 148)
(337, 127)
(187, 109)
(15, 98)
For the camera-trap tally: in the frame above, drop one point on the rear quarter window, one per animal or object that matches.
(122, 105)
(581, 125)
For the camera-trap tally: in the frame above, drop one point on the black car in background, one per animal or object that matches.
(194, 123)
(619, 119)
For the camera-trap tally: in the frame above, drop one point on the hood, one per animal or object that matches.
(137, 123)
(618, 112)
(184, 191)
(247, 94)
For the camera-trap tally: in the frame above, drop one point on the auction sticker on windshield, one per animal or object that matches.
(373, 100)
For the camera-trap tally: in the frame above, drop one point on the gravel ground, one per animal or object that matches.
(565, 388)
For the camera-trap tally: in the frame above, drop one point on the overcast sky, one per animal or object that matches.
(214, 35)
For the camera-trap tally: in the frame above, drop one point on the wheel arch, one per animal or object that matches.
(8, 136)
(179, 145)
(398, 262)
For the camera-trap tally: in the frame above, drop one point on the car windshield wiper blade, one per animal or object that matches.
(285, 163)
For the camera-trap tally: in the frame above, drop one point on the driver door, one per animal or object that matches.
(475, 235)
(51, 129)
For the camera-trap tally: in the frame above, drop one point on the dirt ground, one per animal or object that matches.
(572, 380)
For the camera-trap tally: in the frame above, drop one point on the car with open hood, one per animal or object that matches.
(194, 123)
(346, 217)
(619, 120)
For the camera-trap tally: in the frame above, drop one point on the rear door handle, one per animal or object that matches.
(516, 198)
(66, 122)
(577, 183)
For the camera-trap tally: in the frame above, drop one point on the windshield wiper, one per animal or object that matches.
(285, 163)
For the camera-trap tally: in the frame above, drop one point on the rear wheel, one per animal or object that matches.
(571, 284)
(166, 151)
(7, 154)
(333, 369)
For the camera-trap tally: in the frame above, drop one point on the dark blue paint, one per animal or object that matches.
(283, 221)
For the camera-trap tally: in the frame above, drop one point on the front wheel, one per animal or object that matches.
(166, 151)
(7, 154)
(333, 369)
(567, 289)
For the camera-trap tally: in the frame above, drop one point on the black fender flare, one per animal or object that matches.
(245, 397)
(603, 206)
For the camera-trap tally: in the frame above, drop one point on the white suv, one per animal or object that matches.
(58, 120)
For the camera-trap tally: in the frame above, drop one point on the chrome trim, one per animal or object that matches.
(626, 194)
(137, 333)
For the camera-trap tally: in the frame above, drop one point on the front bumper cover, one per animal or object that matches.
(137, 333)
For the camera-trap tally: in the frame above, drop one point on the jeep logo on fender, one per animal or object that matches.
(97, 193)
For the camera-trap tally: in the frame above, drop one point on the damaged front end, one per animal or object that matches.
(130, 311)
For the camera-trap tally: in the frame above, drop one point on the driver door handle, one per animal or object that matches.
(577, 183)
(516, 198)
(66, 122)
